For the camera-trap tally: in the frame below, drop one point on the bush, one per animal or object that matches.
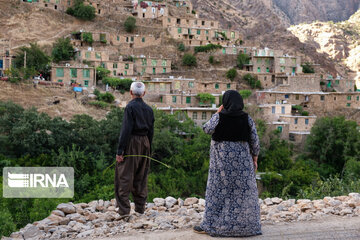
(211, 59)
(307, 68)
(252, 81)
(106, 97)
(117, 83)
(79, 10)
(207, 48)
(62, 50)
(242, 59)
(206, 98)
(87, 37)
(99, 104)
(231, 74)
(245, 93)
(297, 107)
(181, 47)
(102, 73)
(305, 113)
(189, 60)
(130, 24)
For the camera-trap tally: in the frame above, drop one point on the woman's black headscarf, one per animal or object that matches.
(233, 122)
(233, 103)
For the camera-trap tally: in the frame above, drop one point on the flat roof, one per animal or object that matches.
(300, 133)
(293, 116)
(188, 108)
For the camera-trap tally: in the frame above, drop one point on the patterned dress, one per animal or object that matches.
(232, 205)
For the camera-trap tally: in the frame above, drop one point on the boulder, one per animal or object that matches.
(67, 208)
(191, 201)
(159, 202)
(170, 202)
(85, 233)
(31, 231)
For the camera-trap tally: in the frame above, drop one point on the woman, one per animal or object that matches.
(232, 207)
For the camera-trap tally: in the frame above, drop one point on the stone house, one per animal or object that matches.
(134, 41)
(151, 65)
(149, 9)
(6, 60)
(82, 75)
(100, 39)
(60, 5)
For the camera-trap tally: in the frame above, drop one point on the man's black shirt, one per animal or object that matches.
(138, 120)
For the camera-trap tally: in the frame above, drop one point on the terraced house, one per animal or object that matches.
(84, 76)
(152, 65)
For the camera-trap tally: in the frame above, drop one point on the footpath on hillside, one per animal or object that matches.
(331, 227)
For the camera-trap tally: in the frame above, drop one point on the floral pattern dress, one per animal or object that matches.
(232, 205)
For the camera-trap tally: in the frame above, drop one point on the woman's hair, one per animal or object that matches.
(137, 88)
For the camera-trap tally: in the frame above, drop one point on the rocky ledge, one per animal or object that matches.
(100, 218)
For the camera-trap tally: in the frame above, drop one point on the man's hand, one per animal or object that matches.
(255, 158)
(119, 158)
(220, 109)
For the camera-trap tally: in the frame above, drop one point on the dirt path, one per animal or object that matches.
(326, 228)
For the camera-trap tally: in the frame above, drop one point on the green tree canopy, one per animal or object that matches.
(231, 74)
(130, 24)
(189, 60)
(81, 11)
(102, 73)
(62, 50)
(242, 59)
(35, 58)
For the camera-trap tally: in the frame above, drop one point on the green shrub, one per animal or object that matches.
(242, 59)
(211, 59)
(245, 93)
(106, 97)
(207, 48)
(297, 107)
(79, 10)
(231, 74)
(305, 113)
(62, 50)
(206, 98)
(181, 47)
(130, 24)
(87, 37)
(117, 83)
(99, 104)
(102, 73)
(189, 60)
(252, 81)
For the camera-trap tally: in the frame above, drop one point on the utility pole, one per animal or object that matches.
(25, 59)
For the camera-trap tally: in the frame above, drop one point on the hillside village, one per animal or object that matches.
(290, 97)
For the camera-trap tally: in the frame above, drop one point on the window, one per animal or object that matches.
(115, 65)
(102, 37)
(224, 50)
(203, 116)
(296, 121)
(357, 98)
(86, 73)
(203, 23)
(87, 54)
(132, 38)
(161, 99)
(337, 82)
(189, 31)
(163, 63)
(153, 62)
(154, 71)
(198, 32)
(60, 80)
(294, 70)
(234, 51)
(162, 87)
(126, 66)
(306, 121)
(282, 60)
(267, 61)
(194, 116)
(216, 86)
(349, 98)
(297, 97)
(348, 104)
(286, 96)
(114, 72)
(125, 73)
(259, 61)
(98, 55)
(282, 69)
(188, 99)
(322, 98)
(191, 84)
(267, 69)
(259, 69)
(144, 62)
(293, 61)
(207, 32)
(118, 38)
(280, 128)
(143, 39)
(282, 110)
(60, 72)
(169, 20)
(73, 72)
(174, 99)
(273, 110)
(232, 34)
(127, 39)
(79, 53)
(86, 83)
(164, 70)
(228, 86)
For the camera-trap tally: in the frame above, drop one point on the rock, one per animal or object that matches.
(170, 202)
(276, 200)
(202, 202)
(111, 208)
(159, 202)
(107, 204)
(191, 201)
(162, 209)
(334, 203)
(57, 220)
(180, 202)
(354, 195)
(174, 209)
(113, 202)
(58, 212)
(85, 234)
(82, 205)
(346, 211)
(260, 201)
(31, 231)
(16, 235)
(150, 205)
(77, 227)
(67, 208)
(268, 202)
(138, 225)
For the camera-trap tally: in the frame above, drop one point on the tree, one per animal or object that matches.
(181, 47)
(245, 93)
(206, 98)
(79, 10)
(231, 74)
(130, 24)
(87, 37)
(102, 73)
(189, 60)
(242, 59)
(35, 58)
(332, 141)
(62, 50)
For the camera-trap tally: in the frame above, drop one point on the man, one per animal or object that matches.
(135, 139)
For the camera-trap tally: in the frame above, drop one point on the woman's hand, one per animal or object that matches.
(255, 158)
(220, 109)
